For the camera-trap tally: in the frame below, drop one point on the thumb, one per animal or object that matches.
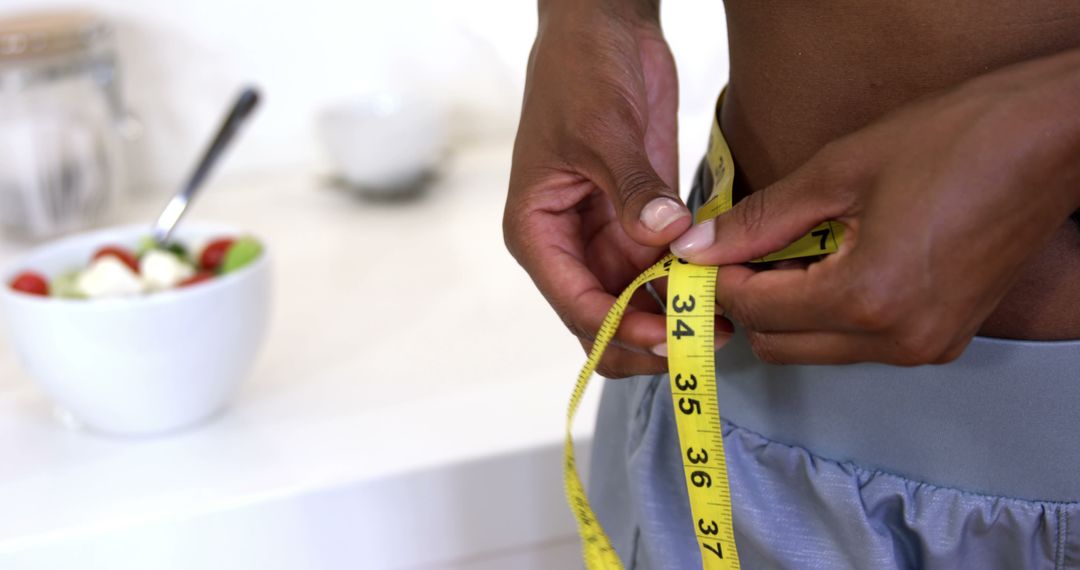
(762, 223)
(649, 210)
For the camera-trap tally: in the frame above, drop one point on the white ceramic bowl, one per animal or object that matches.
(383, 141)
(143, 365)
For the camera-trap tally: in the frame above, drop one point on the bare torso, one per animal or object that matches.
(805, 73)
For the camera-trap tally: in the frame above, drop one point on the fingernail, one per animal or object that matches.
(660, 349)
(661, 213)
(695, 239)
(721, 338)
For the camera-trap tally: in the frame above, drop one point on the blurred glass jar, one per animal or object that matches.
(61, 123)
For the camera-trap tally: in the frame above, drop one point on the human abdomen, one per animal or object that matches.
(806, 73)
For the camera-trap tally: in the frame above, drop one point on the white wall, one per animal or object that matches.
(183, 61)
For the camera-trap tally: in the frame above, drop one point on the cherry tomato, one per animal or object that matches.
(120, 253)
(32, 283)
(200, 277)
(214, 253)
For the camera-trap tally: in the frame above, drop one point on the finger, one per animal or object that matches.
(638, 330)
(650, 211)
(780, 299)
(619, 362)
(850, 348)
(582, 303)
(818, 347)
(723, 329)
(765, 221)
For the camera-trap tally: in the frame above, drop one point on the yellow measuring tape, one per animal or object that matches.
(692, 370)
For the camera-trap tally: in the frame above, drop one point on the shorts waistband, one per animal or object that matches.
(1000, 420)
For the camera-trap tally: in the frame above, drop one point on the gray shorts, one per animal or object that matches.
(974, 464)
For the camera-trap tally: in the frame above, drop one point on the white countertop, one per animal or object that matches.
(408, 353)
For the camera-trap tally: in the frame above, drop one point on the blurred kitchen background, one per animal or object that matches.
(407, 407)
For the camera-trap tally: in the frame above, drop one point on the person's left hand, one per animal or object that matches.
(943, 201)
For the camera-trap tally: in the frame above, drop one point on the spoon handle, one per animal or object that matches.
(170, 216)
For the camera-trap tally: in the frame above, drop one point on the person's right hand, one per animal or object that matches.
(591, 200)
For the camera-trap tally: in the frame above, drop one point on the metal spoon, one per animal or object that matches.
(176, 207)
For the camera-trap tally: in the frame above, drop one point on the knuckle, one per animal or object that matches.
(524, 226)
(873, 306)
(763, 347)
(953, 351)
(516, 219)
(910, 351)
(510, 235)
(941, 343)
(751, 213)
(871, 311)
(926, 343)
(635, 185)
(950, 354)
(520, 243)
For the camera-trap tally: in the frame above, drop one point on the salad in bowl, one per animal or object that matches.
(127, 338)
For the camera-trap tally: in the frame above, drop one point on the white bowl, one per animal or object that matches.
(142, 365)
(383, 141)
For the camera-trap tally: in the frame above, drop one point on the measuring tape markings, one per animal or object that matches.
(690, 321)
(692, 371)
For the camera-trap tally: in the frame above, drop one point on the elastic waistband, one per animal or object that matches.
(1000, 420)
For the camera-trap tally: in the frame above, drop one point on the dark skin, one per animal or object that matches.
(946, 136)
(850, 66)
